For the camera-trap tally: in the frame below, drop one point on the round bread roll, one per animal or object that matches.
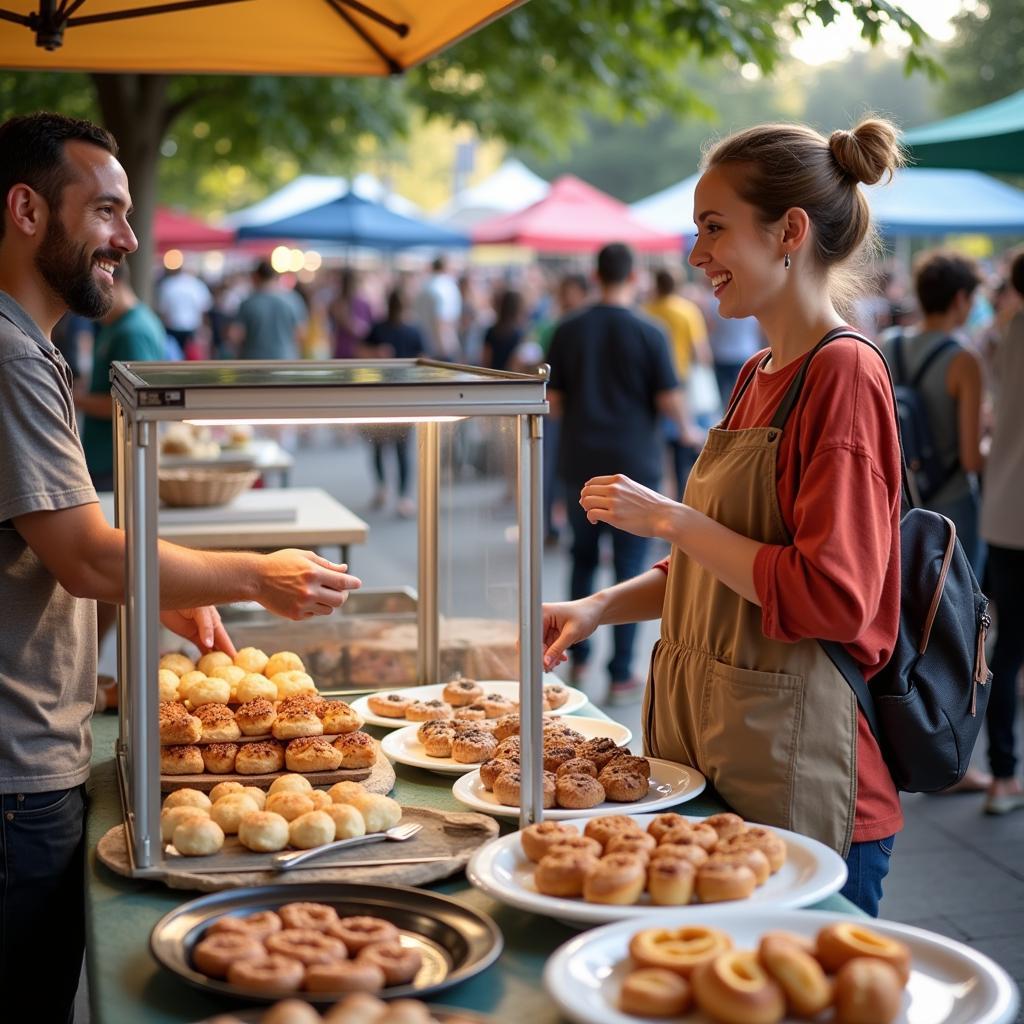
(263, 832)
(230, 809)
(181, 760)
(223, 788)
(215, 659)
(290, 805)
(252, 685)
(379, 812)
(167, 684)
(258, 795)
(348, 822)
(177, 663)
(188, 798)
(176, 725)
(290, 726)
(188, 679)
(261, 758)
(252, 659)
(283, 661)
(315, 828)
(219, 758)
(321, 801)
(197, 837)
(358, 750)
(339, 718)
(290, 784)
(208, 690)
(292, 684)
(172, 817)
(256, 716)
(346, 792)
(218, 723)
(312, 754)
(232, 675)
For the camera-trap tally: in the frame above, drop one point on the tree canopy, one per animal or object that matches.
(985, 61)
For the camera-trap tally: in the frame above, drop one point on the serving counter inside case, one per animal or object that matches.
(477, 620)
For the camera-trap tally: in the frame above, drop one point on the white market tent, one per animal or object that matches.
(512, 187)
(671, 209)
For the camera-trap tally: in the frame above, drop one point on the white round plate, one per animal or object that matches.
(949, 982)
(671, 784)
(506, 687)
(404, 747)
(812, 871)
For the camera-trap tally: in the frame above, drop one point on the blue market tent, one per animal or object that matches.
(350, 220)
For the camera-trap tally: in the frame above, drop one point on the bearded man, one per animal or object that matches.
(63, 233)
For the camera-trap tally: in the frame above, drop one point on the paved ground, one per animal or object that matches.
(954, 871)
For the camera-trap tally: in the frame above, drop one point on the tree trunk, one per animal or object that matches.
(136, 109)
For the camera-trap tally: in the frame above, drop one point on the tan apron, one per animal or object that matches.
(772, 725)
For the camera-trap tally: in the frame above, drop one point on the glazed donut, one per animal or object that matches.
(215, 953)
(176, 725)
(697, 833)
(388, 705)
(292, 783)
(602, 829)
(254, 686)
(188, 798)
(473, 747)
(735, 989)
(214, 659)
(257, 926)
(718, 881)
(428, 711)
(618, 879)
(292, 684)
(177, 663)
(696, 855)
(260, 758)
(491, 769)
(181, 760)
(577, 766)
(340, 718)
(263, 832)
(600, 750)
(681, 950)
(292, 725)
(845, 940)
(578, 792)
(537, 839)
(562, 872)
(255, 717)
(623, 785)
(495, 705)
(654, 992)
(726, 824)
(208, 690)
(306, 945)
(867, 991)
(197, 837)
(556, 754)
(348, 822)
(344, 976)
(290, 805)
(556, 695)
(271, 973)
(219, 758)
(765, 840)
(317, 917)
(283, 661)
(460, 692)
(357, 749)
(577, 843)
(752, 858)
(229, 810)
(639, 843)
(315, 828)
(290, 1011)
(505, 726)
(670, 882)
(167, 685)
(797, 973)
(312, 754)
(399, 963)
(172, 817)
(361, 931)
(663, 822)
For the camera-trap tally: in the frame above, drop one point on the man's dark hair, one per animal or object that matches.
(664, 282)
(1017, 272)
(940, 276)
(438, 264)
(614, 263)
(32, 153)
(264, 271)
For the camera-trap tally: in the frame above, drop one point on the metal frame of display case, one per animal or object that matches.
(423, 393)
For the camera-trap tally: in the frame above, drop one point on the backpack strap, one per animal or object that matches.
(942, 346)
(854, 676)
(899, 358)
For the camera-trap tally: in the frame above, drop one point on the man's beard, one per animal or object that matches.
(67, 269)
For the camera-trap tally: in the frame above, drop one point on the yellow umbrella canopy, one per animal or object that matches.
(271, 37)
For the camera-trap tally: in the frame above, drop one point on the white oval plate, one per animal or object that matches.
(500, 868)
(404, 747)
(671, 784)
(506, 687)
(949, 982)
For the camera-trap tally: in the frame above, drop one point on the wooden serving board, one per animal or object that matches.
(450, 835)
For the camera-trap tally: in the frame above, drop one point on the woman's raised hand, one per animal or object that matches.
(567, 623)
(627, 505)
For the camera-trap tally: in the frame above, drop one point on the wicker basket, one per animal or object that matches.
(200, 488)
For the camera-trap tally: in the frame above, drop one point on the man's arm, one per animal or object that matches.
(87, 557)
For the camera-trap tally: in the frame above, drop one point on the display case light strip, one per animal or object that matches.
(321, 419)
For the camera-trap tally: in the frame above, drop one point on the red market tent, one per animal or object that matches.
(174, 230)
(573, 217)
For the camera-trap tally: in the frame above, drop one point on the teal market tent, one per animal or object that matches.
(989, 138)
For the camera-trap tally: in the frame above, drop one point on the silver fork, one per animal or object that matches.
(400, 833)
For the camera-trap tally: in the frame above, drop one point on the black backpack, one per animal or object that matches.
(928, 472)
(926, 706)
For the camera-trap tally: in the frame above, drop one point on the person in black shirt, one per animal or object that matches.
(504, 336)
(393, 338)
(611, 380)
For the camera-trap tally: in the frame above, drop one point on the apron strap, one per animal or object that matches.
(739, 393)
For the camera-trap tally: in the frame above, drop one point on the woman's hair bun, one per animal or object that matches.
(868, 152)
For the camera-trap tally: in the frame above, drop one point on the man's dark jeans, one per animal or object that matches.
(42, 903)
(868, 864)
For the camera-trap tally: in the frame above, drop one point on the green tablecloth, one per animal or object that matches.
(128, 987)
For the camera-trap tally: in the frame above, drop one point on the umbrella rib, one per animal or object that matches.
(143, 12)
(400, 28)
(18, 19)
(393, 66)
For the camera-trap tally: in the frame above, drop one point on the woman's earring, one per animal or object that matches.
(786, 261)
